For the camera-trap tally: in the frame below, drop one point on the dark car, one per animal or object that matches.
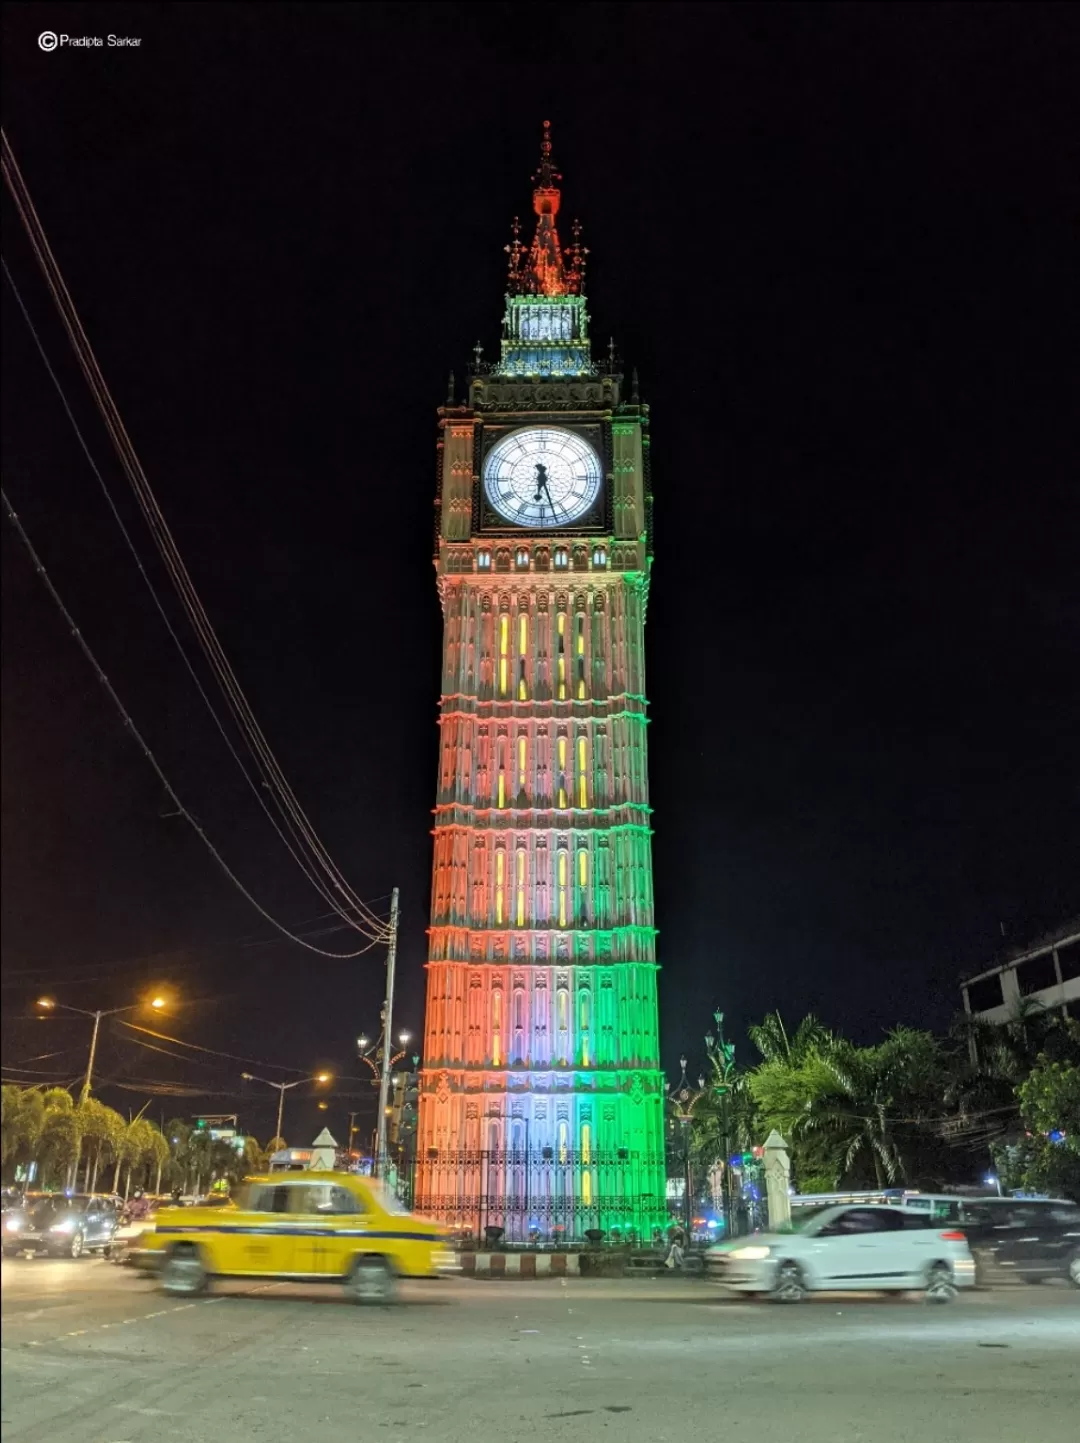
(64, 1226)
(1027, 1238)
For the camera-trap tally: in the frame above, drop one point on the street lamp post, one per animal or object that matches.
(380, 1058)
(283, 1088)
(49, 1004)
(683, 1100)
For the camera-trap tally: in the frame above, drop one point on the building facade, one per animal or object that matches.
(541, 1097)
(1045, 975)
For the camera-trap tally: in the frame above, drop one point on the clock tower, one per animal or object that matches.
(541, 1097)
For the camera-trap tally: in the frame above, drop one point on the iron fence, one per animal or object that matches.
(542, 1195)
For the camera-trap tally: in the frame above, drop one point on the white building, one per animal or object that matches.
(1048, 974)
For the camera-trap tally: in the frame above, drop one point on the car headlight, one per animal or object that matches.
(67, 1226)
(12, 1225)
(750, 1254)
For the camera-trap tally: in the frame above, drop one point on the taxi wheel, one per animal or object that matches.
(371, 1282)
(183, 1274)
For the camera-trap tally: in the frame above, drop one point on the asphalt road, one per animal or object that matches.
(95, 1354)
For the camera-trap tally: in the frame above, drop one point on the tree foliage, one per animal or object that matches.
(912, 1109)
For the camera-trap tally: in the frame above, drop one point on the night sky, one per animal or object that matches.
(838, 244)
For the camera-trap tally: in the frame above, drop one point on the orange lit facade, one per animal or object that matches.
(541, 1096)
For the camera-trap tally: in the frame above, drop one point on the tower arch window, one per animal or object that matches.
(560, 654)
(579, 658)
(500, 785)
(523, 652)
(496, 1029)
(586, 1164)
(518, 1021)
(542, 913)
(483, 560)
(519, 880)
(521, 558)
(561, 759)
(582, 772)
(500, 886)
(522, 769)
(561, 558)
(562, 868)
(564, 1142)
(562, 1026)
(599, 556)
(585, 1026)
(581, 909)
(504, 653)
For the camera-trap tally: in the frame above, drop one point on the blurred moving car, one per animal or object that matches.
(1031, 1239)
(313, 1227)
(844, 1249)
(62, 1225)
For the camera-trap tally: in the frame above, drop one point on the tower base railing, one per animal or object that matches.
(544, 1196)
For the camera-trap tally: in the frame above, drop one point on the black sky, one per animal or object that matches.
(839, 244)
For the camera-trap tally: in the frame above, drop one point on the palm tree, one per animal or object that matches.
(856, 1113)
(772, 1040)
(60, 1140)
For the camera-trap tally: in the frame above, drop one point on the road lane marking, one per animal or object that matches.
(144, 1317)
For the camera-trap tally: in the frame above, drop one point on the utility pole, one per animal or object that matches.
(90, 1061)
(387, 1021)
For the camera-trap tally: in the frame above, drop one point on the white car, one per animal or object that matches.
(844, 1249)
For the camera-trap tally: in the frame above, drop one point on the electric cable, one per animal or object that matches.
(272, 776)
(84, 646)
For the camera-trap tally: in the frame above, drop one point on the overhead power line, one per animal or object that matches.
(212, 1051)
(306, 847)
(84, 646)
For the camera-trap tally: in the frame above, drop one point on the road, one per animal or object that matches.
(95, 1354)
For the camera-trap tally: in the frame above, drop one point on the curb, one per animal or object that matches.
(520, 1265)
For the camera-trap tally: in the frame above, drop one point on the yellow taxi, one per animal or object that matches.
(310, 1227)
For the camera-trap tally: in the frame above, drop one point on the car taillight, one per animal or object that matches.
(953, 1237)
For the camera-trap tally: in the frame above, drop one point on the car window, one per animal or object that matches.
(864, 1220)
(1065, 1216)
(270, 1198)
(324, 1199)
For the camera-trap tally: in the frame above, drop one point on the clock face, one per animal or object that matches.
(542, 477)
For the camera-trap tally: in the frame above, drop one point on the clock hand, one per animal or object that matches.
(541, 481)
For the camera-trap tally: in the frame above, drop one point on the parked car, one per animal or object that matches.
(844, 1249)
(1028, 1238)
(318, 1227)
(63, 1226)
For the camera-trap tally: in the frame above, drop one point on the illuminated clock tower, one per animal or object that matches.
(541, 1093)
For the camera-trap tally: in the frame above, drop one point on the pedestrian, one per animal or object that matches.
(674, 1259)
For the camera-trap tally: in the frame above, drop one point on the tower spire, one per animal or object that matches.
(544, 270)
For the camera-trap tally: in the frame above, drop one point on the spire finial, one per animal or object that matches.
(451, 399)
(546, 171)
(544, 269)
(635, 394)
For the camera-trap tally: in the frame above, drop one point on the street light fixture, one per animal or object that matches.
(284, 1087)
(50, 1004)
